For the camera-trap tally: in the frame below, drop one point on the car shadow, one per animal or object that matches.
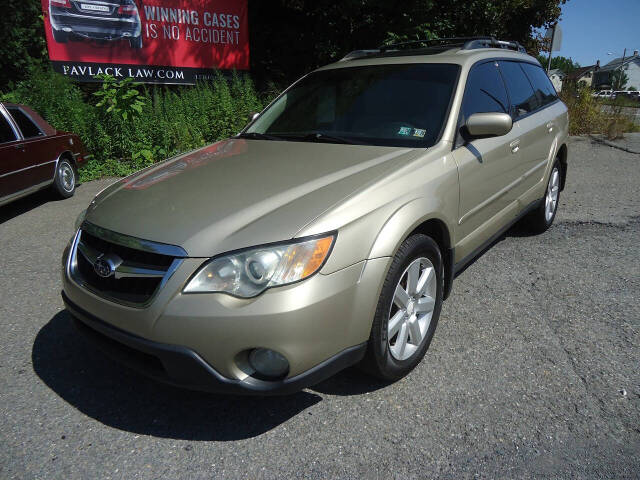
(25, 204)
(350, 381)
(122, 399)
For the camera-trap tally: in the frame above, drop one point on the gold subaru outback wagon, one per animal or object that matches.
(329, 231)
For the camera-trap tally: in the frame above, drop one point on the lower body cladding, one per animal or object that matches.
(209, 342)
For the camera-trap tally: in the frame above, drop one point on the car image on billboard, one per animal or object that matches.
(96, 20)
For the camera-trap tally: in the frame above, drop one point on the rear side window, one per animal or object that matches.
(6, 132)
(26, 125)
(523, 98)
(544, 88)
(485, 91)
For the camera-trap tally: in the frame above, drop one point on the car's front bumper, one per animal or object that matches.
(319, 325)
(182, 367)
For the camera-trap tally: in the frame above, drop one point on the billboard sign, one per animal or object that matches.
(152, 41)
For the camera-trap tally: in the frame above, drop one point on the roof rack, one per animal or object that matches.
(464, 43)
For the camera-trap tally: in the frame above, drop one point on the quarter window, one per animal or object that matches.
(6, 132)
(485, 91)
(544, 88)
(26, 125)
(523, 98)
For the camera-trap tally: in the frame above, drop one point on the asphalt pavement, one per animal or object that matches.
(534, 369)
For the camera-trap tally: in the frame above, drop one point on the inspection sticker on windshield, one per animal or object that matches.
(404, 131)
(418, 132)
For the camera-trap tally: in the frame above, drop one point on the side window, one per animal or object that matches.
(523, 98)
(26, 125)
(485, 91)
(6, 132)
(541, 83)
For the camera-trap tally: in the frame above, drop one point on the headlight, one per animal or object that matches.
(250, 272)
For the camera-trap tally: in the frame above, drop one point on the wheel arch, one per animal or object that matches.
(410, 220)
(562, 157)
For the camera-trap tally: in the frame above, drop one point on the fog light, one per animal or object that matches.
(268, 363)
(66, 29)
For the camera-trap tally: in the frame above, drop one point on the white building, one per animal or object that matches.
(556, 77)
(630, 66)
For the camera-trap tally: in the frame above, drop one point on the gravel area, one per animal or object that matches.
(533, 371)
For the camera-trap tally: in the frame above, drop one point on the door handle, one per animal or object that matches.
(515, 146)
(549, 127)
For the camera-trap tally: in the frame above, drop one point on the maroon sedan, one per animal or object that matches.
(34, 155)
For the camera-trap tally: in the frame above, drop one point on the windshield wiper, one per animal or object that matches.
(323, 137)
(259, 136)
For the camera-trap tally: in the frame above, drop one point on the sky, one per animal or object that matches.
(592, 28)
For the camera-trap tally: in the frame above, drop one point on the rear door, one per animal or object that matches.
(548, 117)
(38, 157)
(527, 114)
(486, 166)
(11, 156)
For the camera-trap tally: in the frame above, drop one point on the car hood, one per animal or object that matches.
(239, 193)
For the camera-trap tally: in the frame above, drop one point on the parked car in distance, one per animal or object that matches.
(603, 94)
(627, 94)
(329, 231)
(96, 19)
(34, 155)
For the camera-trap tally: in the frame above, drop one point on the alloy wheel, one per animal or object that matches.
(551, 199)
(412, 308)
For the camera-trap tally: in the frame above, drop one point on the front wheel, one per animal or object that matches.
(64, 182)
(407, 311)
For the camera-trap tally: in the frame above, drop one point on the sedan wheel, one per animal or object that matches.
(64, 182)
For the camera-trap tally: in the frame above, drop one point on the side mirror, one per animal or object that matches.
(489, 124)
(253, 116)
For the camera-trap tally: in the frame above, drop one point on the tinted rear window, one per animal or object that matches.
(6, 133)
(27, 127)
(523, 98)
(544, 88)
(485, 91)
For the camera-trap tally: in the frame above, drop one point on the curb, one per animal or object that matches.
(614, 145)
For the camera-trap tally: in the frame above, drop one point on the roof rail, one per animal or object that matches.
(465, 43)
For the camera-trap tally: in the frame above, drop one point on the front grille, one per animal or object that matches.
(135, 277)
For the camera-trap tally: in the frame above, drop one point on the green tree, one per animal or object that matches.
(22, 40)
(291, 37)
(618, 79)
(564, 64)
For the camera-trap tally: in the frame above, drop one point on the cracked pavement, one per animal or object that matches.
(533, 371)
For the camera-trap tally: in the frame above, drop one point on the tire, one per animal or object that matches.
(542, 217)
(64, 183)
(60, 36)
(136, 42)
(385, 357)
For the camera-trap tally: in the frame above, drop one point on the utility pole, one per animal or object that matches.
(624, 54)
(553, 36)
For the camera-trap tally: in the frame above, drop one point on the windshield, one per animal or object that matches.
(389, 105)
